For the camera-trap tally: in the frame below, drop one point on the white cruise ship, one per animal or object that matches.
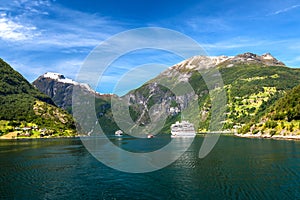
(183, 129)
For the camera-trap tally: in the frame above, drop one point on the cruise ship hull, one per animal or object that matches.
(186, 134)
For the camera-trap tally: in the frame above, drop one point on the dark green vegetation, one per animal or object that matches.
(22, 105)
(288, 107)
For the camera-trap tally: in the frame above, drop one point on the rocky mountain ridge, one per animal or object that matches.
(266, 59)
(185, 68)
(204, 62)
(60, 89)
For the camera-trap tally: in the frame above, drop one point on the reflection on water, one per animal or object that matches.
(137, 155)
(237, 168)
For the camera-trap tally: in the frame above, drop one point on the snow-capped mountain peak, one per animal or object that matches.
(62, 79)
(59, 77)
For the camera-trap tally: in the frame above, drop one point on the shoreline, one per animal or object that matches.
(247, 135)
(5, 137)
(275, 137)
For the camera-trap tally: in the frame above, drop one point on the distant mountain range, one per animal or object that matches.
(262, 97)
(253, 84)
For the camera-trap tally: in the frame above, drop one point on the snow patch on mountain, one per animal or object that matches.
(62, 79)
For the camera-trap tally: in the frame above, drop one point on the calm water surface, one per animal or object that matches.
(237, 168)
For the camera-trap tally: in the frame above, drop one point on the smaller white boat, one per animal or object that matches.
(119, 133)
(150, 136)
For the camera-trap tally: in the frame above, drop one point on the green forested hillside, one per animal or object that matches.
(21, 105)
(251, 89)
(288, 107)
(282, 118)
(12, 82)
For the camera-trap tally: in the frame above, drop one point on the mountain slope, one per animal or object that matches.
(252, 84)
(60, 89)
(21, 105)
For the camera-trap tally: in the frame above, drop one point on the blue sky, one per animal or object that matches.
(37, 36)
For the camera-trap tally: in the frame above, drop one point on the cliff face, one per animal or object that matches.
(60, 89)
(60, 93)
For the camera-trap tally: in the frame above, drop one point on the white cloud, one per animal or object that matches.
(14, 31)
(285, 9)
(32, 22)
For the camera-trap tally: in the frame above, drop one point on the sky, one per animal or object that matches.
(37, 36)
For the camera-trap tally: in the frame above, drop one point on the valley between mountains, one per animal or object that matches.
(262, 99)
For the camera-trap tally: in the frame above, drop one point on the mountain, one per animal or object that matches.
(252, 83)
(24, 107)
(60, 89)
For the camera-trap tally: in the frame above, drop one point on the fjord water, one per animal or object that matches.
(237, 168)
